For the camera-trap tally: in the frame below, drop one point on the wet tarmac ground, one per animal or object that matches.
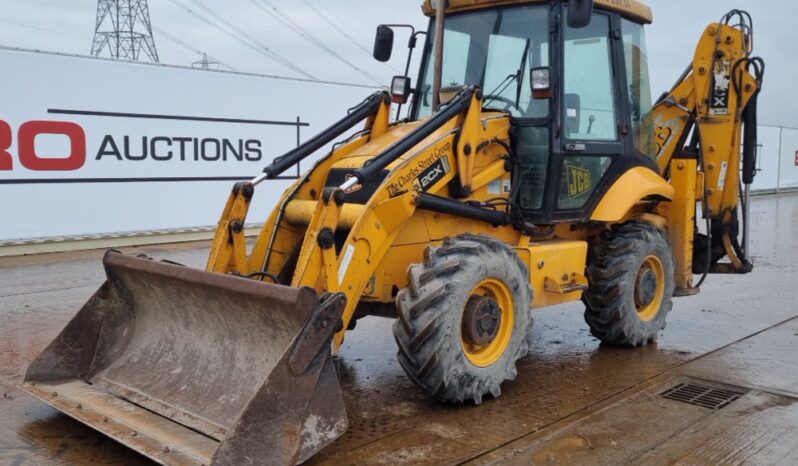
(731, 352)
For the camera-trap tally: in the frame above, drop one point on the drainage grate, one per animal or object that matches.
(699, 395)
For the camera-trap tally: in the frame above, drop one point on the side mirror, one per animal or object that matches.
(579, 13)
(383, 43)
(400, 89)
(540, 80)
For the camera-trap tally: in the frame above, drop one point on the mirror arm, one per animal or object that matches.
(411, 45)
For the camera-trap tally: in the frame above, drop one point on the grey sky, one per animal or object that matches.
(67, 26)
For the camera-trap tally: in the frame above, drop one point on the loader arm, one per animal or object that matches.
(714, 103)
(323, 262)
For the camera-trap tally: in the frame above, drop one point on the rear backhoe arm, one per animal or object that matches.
(713, 101)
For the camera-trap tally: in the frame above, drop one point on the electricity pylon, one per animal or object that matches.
(123, 29)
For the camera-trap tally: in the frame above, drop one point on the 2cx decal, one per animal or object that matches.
(432, 174)
(26, 146)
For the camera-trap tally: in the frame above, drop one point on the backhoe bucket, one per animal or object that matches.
(191, 367)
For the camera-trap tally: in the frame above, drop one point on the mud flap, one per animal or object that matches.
(187, 366)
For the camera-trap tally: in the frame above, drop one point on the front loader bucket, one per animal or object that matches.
(191, 367)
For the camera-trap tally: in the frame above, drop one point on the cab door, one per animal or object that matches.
(591, 141)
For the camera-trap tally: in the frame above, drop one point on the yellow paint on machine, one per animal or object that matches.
(633, 9)
(556, 270)
(633, 186)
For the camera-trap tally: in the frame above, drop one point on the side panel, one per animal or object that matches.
(556, 270)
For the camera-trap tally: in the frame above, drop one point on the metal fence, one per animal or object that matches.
(777, 162)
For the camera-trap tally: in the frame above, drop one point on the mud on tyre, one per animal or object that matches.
(630, 270)
(463, 319)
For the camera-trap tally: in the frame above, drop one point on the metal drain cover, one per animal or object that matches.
(702, 395)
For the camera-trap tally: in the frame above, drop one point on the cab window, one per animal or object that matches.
(589, 99)
(639, 86)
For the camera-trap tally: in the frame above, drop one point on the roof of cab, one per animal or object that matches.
(632, 9)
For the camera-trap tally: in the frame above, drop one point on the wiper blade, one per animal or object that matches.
(496, 92)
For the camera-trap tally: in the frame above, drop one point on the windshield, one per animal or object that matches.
(494, 49)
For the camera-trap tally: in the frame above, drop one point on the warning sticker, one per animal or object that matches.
(345, 261)
(499, 187)
(724, 169)
(721, 82)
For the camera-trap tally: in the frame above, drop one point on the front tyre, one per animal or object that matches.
(630, 272)
(463, 319)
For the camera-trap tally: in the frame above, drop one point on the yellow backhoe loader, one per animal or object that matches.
(532, 170)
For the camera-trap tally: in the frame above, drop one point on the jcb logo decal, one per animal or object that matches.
(579, 181)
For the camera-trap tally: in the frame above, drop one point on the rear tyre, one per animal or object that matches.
(463, 319)
(630, 272)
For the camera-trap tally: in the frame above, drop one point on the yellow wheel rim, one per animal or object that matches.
(649, 288)
(487, 353)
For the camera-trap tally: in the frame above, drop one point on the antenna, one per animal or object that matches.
(123, 29)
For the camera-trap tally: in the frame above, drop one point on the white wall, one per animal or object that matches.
(768, 159)
(31, 83)
(777, 159)
(788, 173)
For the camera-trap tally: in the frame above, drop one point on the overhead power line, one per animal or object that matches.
(328, 19)
(242, 37)
(286, 21)
(76, 36)
(332, 14)
(191, 48)
(255, 41)
(30, 26)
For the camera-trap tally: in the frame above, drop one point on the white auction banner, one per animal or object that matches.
(93, 147)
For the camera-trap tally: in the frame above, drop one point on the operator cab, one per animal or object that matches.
(587, 127)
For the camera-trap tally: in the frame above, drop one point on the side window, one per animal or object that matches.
(533, 144)
(590, 112)
(634, 47)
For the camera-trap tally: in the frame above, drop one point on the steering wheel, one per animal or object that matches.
(509, 105)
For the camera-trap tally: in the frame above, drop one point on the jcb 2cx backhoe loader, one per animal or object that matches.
(532, 171)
